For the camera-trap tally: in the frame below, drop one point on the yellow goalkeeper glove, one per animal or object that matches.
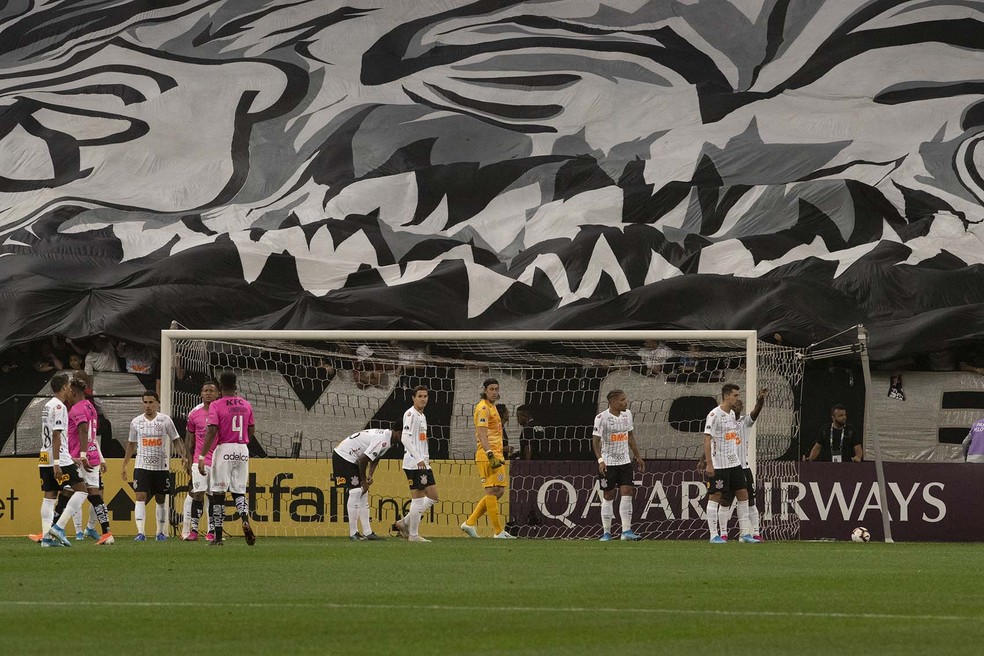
(494, 462)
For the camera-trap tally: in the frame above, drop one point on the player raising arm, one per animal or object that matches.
(727, 505)
(723, 464)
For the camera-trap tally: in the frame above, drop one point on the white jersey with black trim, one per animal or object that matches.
(725, 439)
(415, 439)
(152, 437)
(54, 417)
(613, 430)
(373, 443)
(743, 425)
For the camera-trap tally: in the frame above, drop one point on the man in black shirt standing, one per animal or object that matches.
(531, 435)
(837, 442)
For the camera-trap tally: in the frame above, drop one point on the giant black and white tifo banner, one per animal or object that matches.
(774, 164)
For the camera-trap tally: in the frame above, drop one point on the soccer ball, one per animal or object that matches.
(860, 534)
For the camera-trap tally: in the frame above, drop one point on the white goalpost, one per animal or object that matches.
(311, 389)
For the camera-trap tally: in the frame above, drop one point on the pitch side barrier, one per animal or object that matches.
(927, 501)
(559, 499)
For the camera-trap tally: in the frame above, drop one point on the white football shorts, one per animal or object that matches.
(91, 478)
(230, 469)
(199, 483)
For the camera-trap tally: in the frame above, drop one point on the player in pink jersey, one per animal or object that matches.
(196, 430)
(75, 463)
(83, 446)
(230, 427)
(77, 517)
(93, 453)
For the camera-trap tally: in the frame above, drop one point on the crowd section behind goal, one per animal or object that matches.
(309, 394)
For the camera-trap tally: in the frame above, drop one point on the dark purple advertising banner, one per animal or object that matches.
(810, 501)
(560, 499)
(926, 501)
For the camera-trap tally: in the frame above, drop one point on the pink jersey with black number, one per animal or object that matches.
(92, 440)
(232, 415)
(198, 425)
(76, 416)
(83, 412)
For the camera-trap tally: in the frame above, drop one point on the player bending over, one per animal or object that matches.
(353, 463)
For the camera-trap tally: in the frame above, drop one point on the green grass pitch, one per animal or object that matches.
(458, 596)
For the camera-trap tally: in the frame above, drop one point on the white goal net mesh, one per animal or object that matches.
(309, 395)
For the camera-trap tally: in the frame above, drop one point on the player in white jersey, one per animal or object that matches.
(353, 463)
(149, 433)
(723, 464)
(54, 424)
(612, 439)
(416, 466)
(195, 431)
(727, 505)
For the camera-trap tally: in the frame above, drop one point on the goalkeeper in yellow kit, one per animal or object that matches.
(488, 457)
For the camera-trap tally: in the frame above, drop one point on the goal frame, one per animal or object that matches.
(750, 337)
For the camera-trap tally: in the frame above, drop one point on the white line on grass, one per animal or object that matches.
(524, 609)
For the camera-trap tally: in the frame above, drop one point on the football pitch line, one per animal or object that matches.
(523, 609)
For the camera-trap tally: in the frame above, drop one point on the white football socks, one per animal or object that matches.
(140, 515)
(412, 520)
(745, 526)
(724, 518)
(753, 517)
(74, 504)
(186, 514)
(161, 518)
(625, 513)
(47, 514)
(364, 513)
(607, 514)
(712, 518)
(352, 506)
(417, 509)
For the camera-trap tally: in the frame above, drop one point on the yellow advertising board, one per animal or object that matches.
(286, 498)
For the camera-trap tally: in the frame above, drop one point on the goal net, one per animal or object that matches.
(309, 390)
